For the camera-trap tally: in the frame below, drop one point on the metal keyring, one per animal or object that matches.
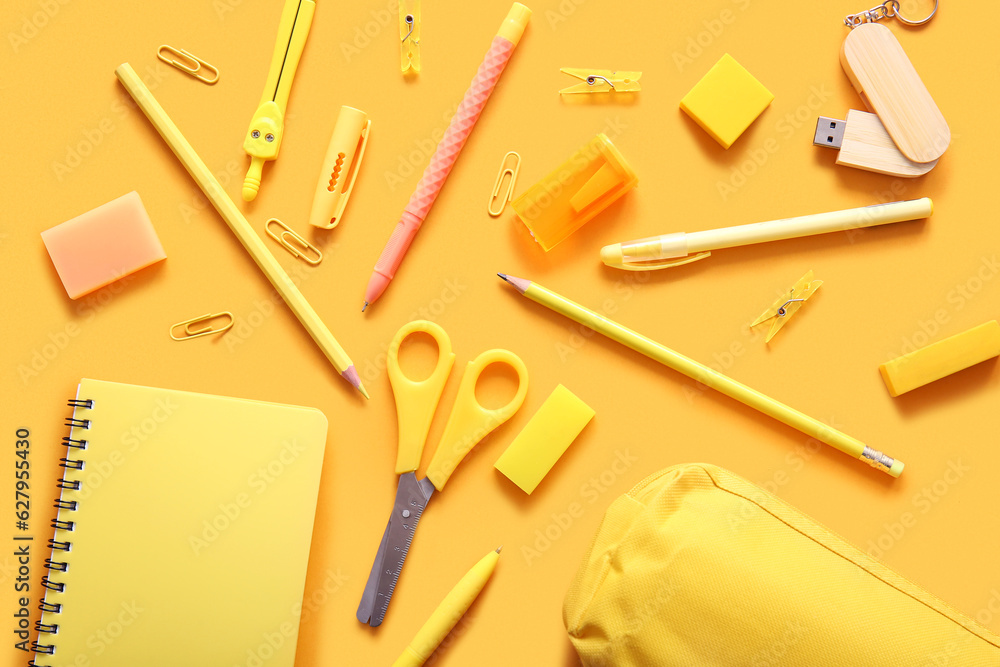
(887, 10)
(907, 21)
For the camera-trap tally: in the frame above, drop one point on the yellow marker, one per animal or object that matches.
(544, 439)
(268, 124)
(941, 358)
(447, 614)
(706, 376)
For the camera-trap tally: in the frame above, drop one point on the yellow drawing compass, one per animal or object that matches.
(268, 124)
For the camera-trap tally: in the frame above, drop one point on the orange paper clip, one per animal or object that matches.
(300, 245)
(190, 333)
(501, 201)
(187, 62)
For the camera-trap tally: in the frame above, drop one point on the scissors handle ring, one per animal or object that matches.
(508, 358)
(445, 359)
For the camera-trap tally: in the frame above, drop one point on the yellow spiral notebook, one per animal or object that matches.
(183, 530)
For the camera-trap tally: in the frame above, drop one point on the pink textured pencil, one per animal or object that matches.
(447, 151)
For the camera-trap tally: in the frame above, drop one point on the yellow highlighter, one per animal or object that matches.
(941, 359)
(447, 614)
(268, 124)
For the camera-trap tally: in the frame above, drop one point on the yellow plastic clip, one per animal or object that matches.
(416, 401)
(787, 304)
(469, 421)
(189, 332)
(300, 246)
(409, 35)
(187, 62)
(504, 170)
(602, 81)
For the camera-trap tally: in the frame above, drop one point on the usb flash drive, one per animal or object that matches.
(864, 143)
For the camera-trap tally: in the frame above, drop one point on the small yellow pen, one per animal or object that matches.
(452, 608)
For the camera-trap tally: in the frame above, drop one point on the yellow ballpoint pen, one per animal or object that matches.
(706, 375)
(268, 123)
(661, 252)
(447, 614)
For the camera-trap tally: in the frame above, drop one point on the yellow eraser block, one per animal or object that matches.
(103, 245)
(544, 439)
(726, 101)
(942, 358)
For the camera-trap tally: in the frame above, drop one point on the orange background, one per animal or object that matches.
(71, 142)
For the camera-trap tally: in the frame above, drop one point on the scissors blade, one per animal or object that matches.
(411, 499)
(367, 605)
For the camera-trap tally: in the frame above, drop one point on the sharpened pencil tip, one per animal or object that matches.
(364, 306)
(351, 375)
(499, 548)
(502, 277)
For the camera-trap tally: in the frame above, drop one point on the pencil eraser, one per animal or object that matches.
(103, 245)
(543, 440)
(726, 101)
(941, 359)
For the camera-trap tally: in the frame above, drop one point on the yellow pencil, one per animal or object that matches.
(239, 225)
(706, 376)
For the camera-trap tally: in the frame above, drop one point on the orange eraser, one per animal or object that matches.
(103, 245)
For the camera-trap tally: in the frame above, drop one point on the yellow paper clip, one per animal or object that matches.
(602, 81)
(504, 170)
(190, 333)
(409, 35)
(787, 304)
(303, 245)
(187, 62)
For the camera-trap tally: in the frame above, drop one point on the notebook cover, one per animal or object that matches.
(191, 535)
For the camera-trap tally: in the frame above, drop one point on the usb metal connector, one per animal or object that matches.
(829, 132)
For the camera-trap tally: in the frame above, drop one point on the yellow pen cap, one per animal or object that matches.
(942, 358)
(580, 188)
(513, 26)
(340, 167)
(544, 439)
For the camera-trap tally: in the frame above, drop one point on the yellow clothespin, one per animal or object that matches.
(187, 62)
(602, 81)
(501, 200)
(293, 242)
(786, 305)
(409, 35)
(188, 333)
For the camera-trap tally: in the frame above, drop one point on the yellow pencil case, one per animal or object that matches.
(696, 566)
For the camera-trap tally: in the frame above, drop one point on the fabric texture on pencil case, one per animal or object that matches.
(697, 566)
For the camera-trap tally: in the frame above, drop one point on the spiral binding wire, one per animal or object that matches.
(52, 564)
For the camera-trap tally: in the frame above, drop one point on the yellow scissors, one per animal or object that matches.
(468, 423)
